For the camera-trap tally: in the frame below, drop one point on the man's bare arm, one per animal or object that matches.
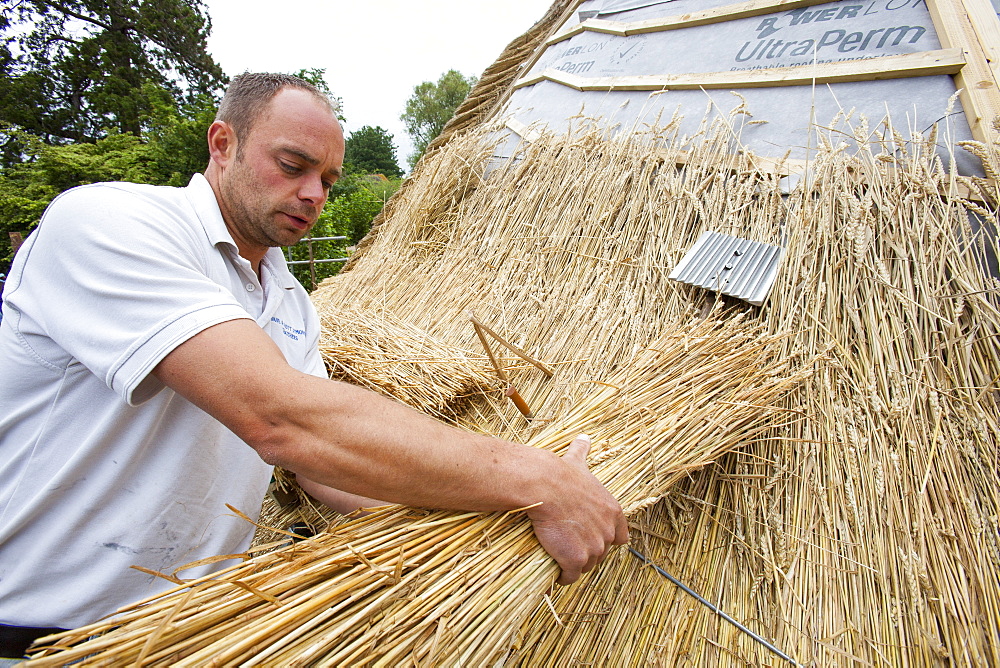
(348, 438)
(339, 500)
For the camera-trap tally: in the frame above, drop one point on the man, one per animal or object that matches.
(151, 334)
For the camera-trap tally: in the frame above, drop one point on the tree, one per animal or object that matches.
(28, 187)
(176, 136)
(370, 150)
(75, 69)
(431, 106)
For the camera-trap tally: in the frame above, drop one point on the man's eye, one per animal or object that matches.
(291, 169)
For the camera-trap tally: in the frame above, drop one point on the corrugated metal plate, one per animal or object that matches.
(730, 265)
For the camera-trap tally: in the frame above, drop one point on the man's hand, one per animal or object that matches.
(579, 527)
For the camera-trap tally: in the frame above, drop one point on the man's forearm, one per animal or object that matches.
(354, 440)
(344, 503)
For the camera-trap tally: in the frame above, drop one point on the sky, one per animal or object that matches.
(374, 52)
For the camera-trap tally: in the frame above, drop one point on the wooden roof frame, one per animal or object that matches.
(968, 30)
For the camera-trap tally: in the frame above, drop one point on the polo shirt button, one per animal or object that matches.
(250, 287)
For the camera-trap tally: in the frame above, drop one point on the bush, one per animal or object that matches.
(27, 188)
(348, 215)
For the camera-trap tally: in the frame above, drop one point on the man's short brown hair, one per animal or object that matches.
(250, 93)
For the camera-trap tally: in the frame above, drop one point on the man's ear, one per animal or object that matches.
(221, 143)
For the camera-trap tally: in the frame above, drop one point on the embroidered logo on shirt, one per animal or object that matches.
(288, 330)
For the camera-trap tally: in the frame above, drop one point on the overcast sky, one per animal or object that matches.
(374, 52)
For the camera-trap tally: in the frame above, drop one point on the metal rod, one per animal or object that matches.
(714, 608)
(337, 259)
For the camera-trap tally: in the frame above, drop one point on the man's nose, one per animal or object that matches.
(312, 190)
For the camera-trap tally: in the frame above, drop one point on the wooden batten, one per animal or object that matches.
(972, 26)
(741, 10)
(927, 63)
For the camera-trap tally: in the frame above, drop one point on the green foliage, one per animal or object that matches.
(341, 217)
(357, 210)
(27, 188)
(327, 226)
(19, 212)
(431, 106)
(346, 184)
(176, 136)
(117, 157)
(348, 215)
(370, 150)
(383, 190)
(74, 69)
(172, 149)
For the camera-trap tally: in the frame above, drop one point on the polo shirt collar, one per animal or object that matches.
(199, 192)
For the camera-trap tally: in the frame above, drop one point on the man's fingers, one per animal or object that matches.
(621, 532)
(579, 536)
(567, 577)
(579, 448)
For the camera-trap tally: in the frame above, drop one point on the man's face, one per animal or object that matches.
(276, 185)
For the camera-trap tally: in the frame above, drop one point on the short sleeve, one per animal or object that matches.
(114, 279)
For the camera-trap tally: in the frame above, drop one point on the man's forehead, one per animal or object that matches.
(295, 101)
(292, 108)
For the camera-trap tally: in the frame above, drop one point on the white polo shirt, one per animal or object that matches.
(101, 466)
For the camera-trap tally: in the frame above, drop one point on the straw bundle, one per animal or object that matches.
(406, 585)
(385, 354)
